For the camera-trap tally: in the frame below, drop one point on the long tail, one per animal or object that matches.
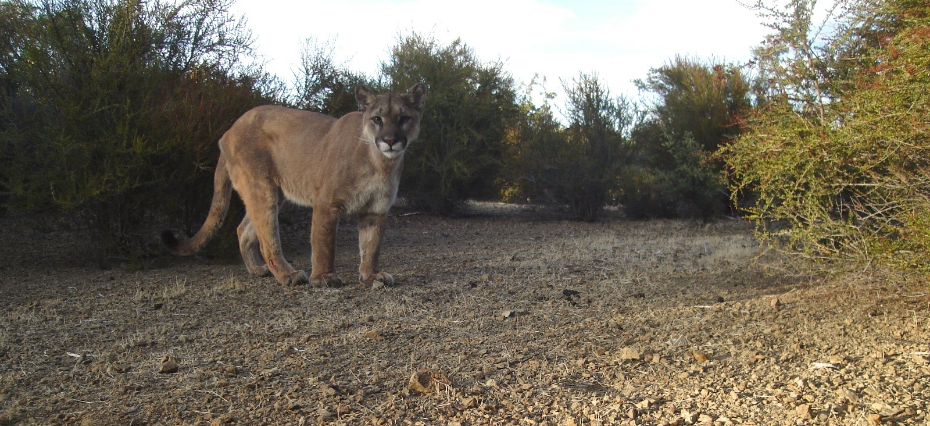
(222, 192)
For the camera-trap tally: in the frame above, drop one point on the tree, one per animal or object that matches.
(575, 166)
(322, 84)
(696, 110)
(459, 152)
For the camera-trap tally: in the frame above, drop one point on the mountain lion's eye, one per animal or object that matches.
(376, 120)
(404, 120)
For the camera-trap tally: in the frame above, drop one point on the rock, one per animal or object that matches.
(223, 420)
(848, 395)
(645, 404)
(325, 414)
(630, 354)
(700, 357)
(804, 411)
(874, 419)
(885, 410)
(705, 419)
(168, 366)
(469, 402)
(329, 390)
(688, 416)
(775, 303)
(427, 381)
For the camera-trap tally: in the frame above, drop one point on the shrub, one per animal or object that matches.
(120, 104)
(459, 152)
(575, 166)
(673, 171)
(850, 179)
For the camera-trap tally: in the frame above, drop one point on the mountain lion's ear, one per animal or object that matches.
(417, 95)
(364, 96)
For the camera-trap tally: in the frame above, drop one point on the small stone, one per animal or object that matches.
(325, 414)
(223, 420)
(700, 357)
(705, 419)
(848, 395)
(645, 404)
(329, 390)
(427, 381)
(836, 359)
(630, 354)
(469, 402)
(688, 416)
(804, 411)
(886, 410)
(169, 367)
(775, 303)
(342, 409)
(874, 419)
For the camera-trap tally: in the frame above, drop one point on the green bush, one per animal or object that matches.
(118, 107)
(458, 155)
(576, 166)
(690, 185)
(672, 170)
(851, 179)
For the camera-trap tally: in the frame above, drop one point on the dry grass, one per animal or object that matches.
(531, 318)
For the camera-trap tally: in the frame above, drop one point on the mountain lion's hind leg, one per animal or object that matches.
(261, 207)
(251, 249)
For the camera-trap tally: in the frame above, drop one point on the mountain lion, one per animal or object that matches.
(345, 166)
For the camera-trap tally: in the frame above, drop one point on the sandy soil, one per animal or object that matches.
(506, 317)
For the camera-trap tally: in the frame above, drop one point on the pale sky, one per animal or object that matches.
(620, 40)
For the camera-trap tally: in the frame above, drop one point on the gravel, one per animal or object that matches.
(509, 316)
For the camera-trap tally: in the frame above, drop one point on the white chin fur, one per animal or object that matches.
(392, 154)
(388, 152)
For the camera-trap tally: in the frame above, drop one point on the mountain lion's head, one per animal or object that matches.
(391, 121)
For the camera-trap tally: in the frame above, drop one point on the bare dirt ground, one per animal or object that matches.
(507, 317)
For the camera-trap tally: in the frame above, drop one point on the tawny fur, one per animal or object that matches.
(345, 166)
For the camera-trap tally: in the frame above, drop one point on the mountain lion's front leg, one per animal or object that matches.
(370, 234)
(323, 245)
